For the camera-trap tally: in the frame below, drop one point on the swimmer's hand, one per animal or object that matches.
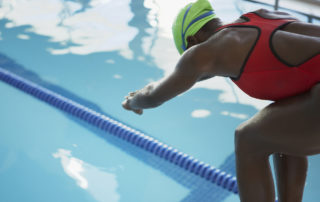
(139, 100)
(126, 103)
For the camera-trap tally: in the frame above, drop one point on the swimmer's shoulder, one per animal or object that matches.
(264, 13)
(267, 14)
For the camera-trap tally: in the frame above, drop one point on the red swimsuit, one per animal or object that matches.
(264, 75)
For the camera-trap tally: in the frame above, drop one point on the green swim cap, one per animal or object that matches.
(190, 20)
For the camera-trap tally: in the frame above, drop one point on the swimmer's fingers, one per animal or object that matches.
(125, 105)
(131, 94)
(138, 111)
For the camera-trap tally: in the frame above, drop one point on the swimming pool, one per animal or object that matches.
(73, 48)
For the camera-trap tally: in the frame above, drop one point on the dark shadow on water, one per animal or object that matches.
(140, 22)
(84, 5)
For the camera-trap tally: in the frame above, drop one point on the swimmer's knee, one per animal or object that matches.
(315, 100)
(243, 139)
(315, 92)
(248, 141)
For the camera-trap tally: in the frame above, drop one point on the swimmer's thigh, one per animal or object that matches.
(290, 126)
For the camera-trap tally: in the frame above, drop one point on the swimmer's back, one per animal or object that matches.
(283, 61)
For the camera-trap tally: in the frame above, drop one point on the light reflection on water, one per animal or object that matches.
(103, 25)
(100, 184)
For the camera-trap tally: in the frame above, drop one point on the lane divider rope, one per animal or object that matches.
(122, 131)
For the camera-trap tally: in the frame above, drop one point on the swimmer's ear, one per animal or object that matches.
(192, 40)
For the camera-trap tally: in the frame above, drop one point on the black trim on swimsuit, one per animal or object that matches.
(272, 48)
(245, 18)
(278, 57)
(252, 48)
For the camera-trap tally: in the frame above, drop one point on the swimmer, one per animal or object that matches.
(270, 55)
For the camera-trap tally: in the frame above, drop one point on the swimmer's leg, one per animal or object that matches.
(290, 127)
(291, 173)
(254, 176)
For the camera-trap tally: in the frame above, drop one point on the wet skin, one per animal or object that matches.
(289, 129)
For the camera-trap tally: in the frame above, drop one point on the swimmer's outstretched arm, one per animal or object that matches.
(192, 67)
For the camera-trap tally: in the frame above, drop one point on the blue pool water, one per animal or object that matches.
(95, 52)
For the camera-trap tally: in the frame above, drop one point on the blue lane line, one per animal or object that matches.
(122, 131)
